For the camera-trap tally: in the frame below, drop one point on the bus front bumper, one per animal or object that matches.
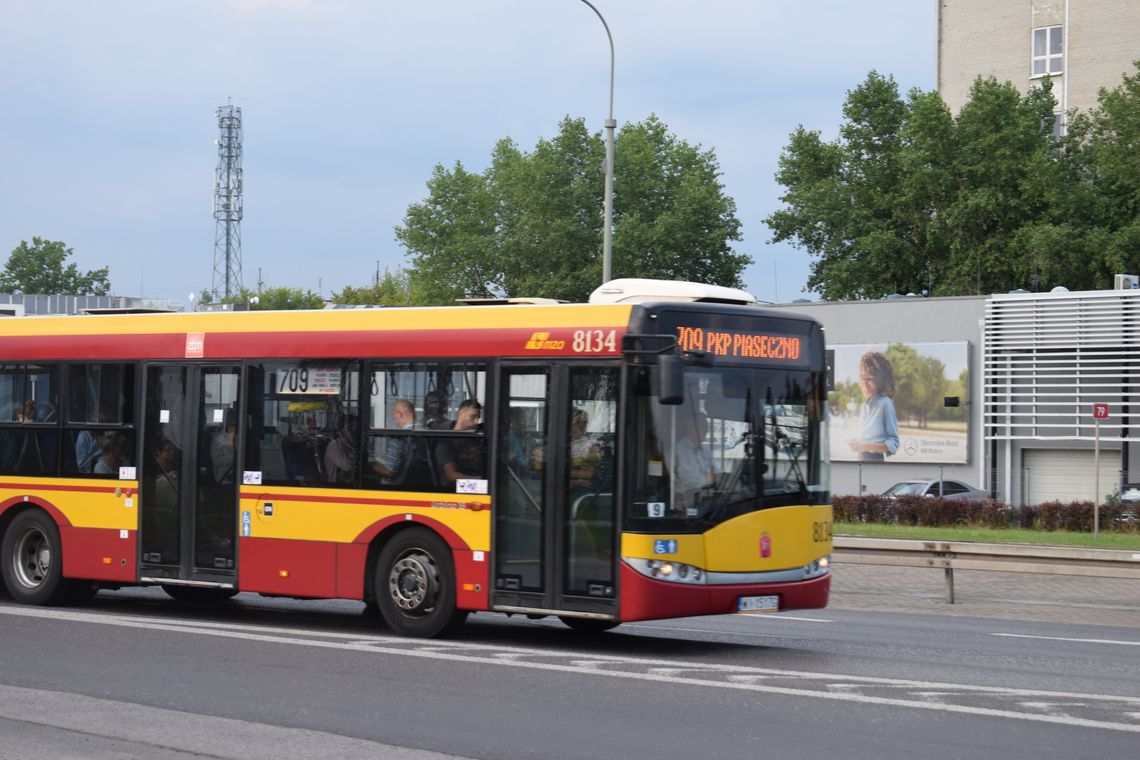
(645, 598)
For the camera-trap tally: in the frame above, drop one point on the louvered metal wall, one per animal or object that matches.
(1050, 356)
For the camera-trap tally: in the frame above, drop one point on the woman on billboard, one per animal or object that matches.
(879, 426)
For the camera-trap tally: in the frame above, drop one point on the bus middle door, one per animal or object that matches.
(188, 483)
(555, 536)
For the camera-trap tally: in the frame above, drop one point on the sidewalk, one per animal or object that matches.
(1014, 596)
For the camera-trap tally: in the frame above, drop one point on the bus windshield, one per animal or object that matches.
(742, 439)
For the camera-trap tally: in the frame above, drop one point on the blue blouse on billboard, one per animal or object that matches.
(879, 425)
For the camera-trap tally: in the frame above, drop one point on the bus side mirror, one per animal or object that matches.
(670, 379)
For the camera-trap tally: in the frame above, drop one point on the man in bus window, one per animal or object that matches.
(87, 445)
(585, 453)
(694, 466)
(87, 450)
(435, 411)
(460, 459)
(397, 453)
(340, 454)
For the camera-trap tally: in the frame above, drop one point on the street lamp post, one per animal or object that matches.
(608, 213)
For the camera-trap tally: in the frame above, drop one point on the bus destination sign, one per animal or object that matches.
(742, 345)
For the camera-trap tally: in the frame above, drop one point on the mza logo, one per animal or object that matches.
(541, 341)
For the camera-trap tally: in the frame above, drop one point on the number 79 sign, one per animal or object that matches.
(1100, 411)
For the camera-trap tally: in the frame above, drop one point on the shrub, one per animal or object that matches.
(926, 511)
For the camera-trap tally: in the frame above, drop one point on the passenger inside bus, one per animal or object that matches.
(114, 454)
(693, 469)
(435, 411)
(340, 454)
(460, 459)
(585, 452)
(393, 465)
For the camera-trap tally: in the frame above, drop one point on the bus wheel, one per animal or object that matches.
(588, 625)
(32, 562)
(201, 594)
(415, 585)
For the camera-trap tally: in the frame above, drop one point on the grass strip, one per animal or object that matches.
(991, 536)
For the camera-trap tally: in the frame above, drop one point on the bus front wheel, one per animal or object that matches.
(32, 560)
(415, 585)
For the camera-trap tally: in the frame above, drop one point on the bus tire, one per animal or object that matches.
(198, 594)
(415, 585)
(32, 561)
(588, 625)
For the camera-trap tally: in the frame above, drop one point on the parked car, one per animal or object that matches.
(1130, 500)
(950, 489)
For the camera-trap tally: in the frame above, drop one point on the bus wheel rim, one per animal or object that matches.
(31, 559)
(413, 584)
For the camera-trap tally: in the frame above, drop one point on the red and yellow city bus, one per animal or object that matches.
(658, 452)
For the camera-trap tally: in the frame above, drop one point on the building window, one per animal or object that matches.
(1047, 50)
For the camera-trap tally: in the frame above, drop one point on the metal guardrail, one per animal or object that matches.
(1007, 558)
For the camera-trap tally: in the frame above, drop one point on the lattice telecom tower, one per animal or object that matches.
(227, 204)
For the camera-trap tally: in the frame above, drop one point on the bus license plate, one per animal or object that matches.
(758, 604)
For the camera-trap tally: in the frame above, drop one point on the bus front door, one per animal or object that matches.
(188, 485)
(555, 534)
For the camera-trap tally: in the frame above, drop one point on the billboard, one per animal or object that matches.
(900, 402)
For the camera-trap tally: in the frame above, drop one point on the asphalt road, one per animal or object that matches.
(133, 674)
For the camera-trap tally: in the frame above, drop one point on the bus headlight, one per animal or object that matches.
(667, 570)
(817, 567)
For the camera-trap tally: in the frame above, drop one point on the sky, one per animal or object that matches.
(108, 137)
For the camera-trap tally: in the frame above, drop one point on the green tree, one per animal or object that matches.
(844, 199)
(393, 289)
(39, 269)
(269, 299)
(910, 198)
(1113, 139)
(531, 224)
(282, 298)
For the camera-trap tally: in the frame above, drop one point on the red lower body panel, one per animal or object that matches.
(471, 577)
(325, 570)
(288, 567)
(98, 554)
(645, 598)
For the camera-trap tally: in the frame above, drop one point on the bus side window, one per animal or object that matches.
(303, 423)
(29, 432)
(99, 436)
(413, 409)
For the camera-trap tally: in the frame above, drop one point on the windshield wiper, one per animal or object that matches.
(783, 442)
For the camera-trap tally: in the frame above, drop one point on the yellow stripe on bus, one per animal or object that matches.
(86, 503)
(405, 318)
(342, 515)
(792, 536)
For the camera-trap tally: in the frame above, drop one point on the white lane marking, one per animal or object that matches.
(723, 632)
(427, 648)
(770, 616)
(375, 646)
(1062, 638)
